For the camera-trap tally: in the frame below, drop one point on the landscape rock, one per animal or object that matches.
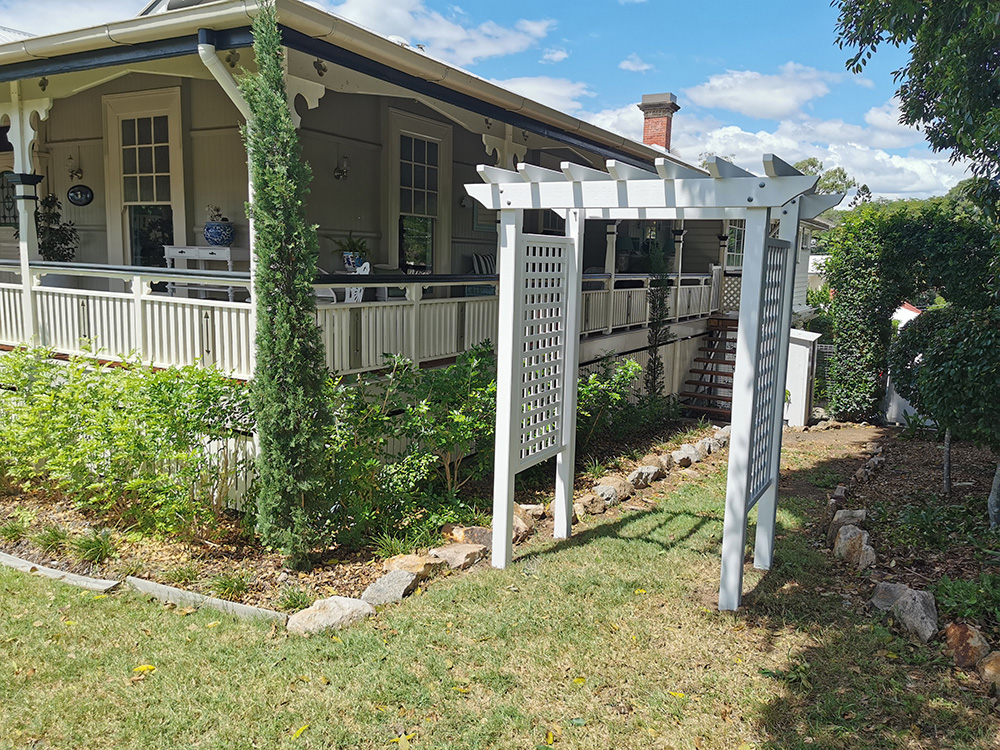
(689, 473)
(685, 455)
(522, 530)
(608, 494)
(832, 506)
(645, 476)
(843, 518)
(334, 613)
(578, 511)
(915, 610)
(989, 670)
(468, 534)
(840, 492)
(523, 515)
(622, 486)
(861, 475)
(662, 460)
(966, 644)
(420, 565)
(390, 588)
(592, 504)
(536, 512)
(714, 446)
(460, 556)
(703, 448)
(723, 432)
(852, 545)
(722, 436)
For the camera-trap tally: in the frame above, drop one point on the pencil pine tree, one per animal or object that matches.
(292, 414)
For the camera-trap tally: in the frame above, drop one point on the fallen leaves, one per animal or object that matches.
(299, 731)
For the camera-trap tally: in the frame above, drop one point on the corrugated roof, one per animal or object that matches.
(12, 35)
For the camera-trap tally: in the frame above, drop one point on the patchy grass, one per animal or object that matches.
(609, 639)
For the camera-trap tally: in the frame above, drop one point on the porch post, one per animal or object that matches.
(509, 352)
(21, 136)
(566, 458)
(610, 259)
(734, 531)
(767, 506)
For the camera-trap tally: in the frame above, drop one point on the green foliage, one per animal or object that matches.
(51, 538)
(833, 180)
(151, 448)
(602, 395)
(948, 87)
(182, 574)
(933, 524)
(57, 240)
(288, 388)
(13, 530)
(229, 585)
(294, 598)
(94, 546)
(978, 599)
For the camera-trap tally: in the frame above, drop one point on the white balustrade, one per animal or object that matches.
(179, 328)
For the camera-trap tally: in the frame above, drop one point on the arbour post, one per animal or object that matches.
(507, 436)
(566, 459)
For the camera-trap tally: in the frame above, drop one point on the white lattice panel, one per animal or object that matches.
(541, 342)
(766, 383)
(731, 293)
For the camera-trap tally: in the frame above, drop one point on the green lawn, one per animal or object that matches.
(608, 640)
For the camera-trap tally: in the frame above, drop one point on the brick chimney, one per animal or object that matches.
(658, 111)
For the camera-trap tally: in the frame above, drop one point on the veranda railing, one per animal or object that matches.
(178, 317)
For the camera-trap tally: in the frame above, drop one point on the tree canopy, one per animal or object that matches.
(950, 88)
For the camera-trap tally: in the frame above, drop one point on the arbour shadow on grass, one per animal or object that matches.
(864, 686)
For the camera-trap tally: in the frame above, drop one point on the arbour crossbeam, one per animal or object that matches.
(540, 288)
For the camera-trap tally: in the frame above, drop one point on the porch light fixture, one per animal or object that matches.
(343, 167)
(28, 180)
(73, 169)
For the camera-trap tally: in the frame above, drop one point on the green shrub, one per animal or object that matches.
(182, 574)
(156, 449)
(94, 546)
(51, 538)
(293, 599)
(13, 530)
(229, 585)
(603, 398)
(976, 599)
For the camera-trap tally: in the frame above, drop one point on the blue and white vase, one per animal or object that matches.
(221, 233)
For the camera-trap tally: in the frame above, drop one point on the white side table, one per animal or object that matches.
(202, 255)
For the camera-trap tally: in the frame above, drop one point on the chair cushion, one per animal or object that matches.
(484, 264)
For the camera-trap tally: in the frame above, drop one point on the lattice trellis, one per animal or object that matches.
(541, 329)
(766, 378)
(731, 293)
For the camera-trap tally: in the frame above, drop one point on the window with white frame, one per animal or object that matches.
(734, 249)
(420, 220)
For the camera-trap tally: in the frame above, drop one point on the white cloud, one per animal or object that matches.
(625, 121)
(759, 95)
(52, 16)
(635, 64)
(448, 39)
(554, 55)
(558, 93)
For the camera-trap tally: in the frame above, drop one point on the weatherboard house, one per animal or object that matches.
(134, 126)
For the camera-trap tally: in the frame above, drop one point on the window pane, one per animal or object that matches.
(416, 241)
(145, 160)
(146, 190)
(131, 190)
(128, 132)
(432, 179)
(162, 159)
(432, 204)
(432, 153)
(144, 126)
(163, 188)
(418, 150)
(405, 200)
(418, 202)
(128, 161)
(160, 129)
(406, 147)
(419, 176)
(406, 175)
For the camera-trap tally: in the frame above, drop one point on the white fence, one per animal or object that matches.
(167, 317)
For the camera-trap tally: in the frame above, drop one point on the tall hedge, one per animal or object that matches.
(287, 390)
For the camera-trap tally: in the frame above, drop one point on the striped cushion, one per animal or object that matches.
(484, 264)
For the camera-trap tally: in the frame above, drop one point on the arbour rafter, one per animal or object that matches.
(541, 276)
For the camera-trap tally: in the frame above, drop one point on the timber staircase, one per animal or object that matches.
(708, 389)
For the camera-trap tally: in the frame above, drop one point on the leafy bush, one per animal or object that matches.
(151, 448)
(977, 599)
(603, 397)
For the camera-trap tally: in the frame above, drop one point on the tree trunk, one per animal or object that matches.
(947, 463)
(993, 504)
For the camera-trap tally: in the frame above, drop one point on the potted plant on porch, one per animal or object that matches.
(218, 229)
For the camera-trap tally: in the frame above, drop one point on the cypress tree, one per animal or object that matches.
(288, 385)
(658, 332)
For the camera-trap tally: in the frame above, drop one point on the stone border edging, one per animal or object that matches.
(173, 595)
(100, 585)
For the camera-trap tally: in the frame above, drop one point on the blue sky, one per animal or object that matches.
(751, 77)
